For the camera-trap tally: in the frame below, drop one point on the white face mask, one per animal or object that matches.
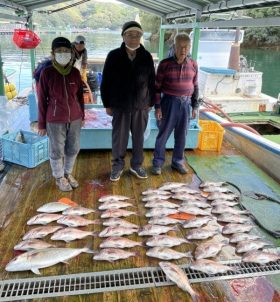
(63, 58)
(132, 49)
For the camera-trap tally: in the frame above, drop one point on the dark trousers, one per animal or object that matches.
(175, 116)
(122, 123)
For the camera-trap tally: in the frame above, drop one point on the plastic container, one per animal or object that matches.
(211, 136)
(32, 151)
(25, 39)
(33, 107)
(216, 70)
(102, 138)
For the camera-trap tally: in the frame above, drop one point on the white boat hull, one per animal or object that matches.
(264, 153)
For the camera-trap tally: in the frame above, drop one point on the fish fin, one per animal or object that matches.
(94, 234)
(68, 201)
(65, 262)
(97, 221)
(189, 254)
(225, 241)
(36, 271)
(136, 254)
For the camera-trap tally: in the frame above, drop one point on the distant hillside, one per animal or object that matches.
(95, 15)
(112, 16)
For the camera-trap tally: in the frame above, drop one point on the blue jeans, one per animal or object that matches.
(175, 116)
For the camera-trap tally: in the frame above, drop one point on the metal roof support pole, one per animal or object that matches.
(161, 42)
(2, 90)
(196, 30)
(32, 51)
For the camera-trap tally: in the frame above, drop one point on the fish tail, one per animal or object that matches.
(195, 296)
(88, 248)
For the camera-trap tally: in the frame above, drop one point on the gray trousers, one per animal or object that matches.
(64, 146)
(122, 123)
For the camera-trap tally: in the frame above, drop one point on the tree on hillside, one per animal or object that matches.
(149, 22)
(264, 35)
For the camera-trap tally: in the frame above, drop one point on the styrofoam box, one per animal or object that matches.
(250, 83)
(216, 84)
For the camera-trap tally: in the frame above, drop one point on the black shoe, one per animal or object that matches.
(156, 170)
(139, 172)
(180, 168)
(116, 175)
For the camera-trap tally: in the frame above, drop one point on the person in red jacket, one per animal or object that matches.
(61, 112)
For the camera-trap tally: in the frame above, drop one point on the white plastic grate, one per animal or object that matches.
(89, 283)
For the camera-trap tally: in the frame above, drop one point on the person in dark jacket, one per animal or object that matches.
(127, 92)
(61, 112)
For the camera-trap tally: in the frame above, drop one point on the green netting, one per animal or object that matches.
(248, 178)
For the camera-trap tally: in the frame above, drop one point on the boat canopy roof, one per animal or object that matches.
(167, 9)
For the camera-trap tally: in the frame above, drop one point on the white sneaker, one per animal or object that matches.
(72, 181)
(63, 184)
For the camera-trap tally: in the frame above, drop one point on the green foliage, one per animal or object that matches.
(95, 15)
(264, 35)
(89, 15)
(150, 23)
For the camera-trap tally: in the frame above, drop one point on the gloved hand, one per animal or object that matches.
(84, 74)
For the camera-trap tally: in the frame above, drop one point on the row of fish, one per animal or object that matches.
(160, 244)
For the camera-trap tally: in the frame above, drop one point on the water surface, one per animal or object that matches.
(100, 43)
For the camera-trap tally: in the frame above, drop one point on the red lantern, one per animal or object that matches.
(25, 39)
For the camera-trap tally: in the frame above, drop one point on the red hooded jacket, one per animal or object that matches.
(60, 98)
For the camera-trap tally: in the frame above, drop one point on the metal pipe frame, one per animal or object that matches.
(262, 22)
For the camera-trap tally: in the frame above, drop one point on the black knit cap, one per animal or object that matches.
(60, 42)
(132, 25)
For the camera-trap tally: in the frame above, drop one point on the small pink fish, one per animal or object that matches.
(74, 221)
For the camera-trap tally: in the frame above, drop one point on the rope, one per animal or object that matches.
(274, 233)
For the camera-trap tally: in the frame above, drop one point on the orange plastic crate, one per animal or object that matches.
(211, 136)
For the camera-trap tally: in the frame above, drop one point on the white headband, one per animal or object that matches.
(133, 28)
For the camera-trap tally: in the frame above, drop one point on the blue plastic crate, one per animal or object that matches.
(33, 151)
(191, 139)
(33, 107)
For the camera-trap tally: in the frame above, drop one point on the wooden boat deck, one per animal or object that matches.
(24, 190)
